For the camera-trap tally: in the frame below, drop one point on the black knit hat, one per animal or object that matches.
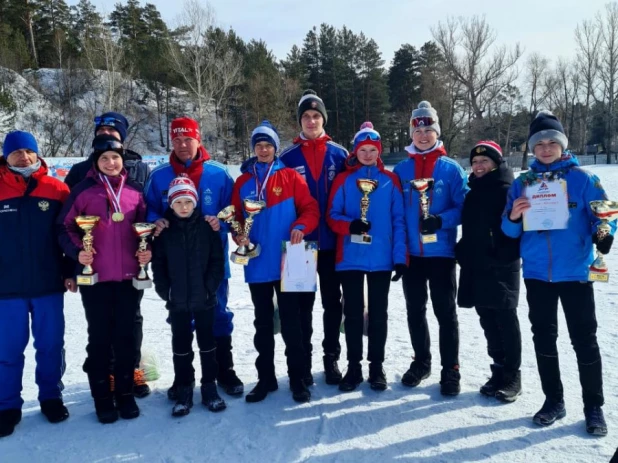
(311, 100)
(489, 149)
(103, 143)
(546, 126)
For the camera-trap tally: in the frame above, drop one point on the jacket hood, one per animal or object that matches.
(566, 161)
(249, 165)
(353, 164)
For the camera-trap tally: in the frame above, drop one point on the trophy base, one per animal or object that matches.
(426, 239)
(255, 251)
(88, 280)
(239, 259)
(361, 239)
(601, 277)
(142, 284)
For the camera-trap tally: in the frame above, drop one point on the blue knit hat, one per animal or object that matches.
(265, 132)
(114, 120)
(546, 126)
(18, 140)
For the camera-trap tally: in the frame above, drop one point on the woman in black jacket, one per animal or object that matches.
(188, 267)
(490, 265)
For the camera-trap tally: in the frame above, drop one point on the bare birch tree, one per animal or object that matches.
(537, 75)
(608, 25)
(587, 37)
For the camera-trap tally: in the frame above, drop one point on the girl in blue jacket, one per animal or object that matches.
(555, 266)
(376, 260)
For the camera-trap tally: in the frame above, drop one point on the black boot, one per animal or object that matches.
(550, 412)
(54, 410)
(449, 382)
(511, 388)
(140, 387)
(331, 369)
(184, 401)
(226, 376)
(377, 377)
(300, 392)
(8, 420)
(211, 398)
(353, 377)
(172, 392)
(106, 410)
(307, 375)
(417, 372)
(595, 421)
(495, 382)
(127, 408)
(261, 390)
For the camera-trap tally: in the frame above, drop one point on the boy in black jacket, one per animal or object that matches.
(188, 267)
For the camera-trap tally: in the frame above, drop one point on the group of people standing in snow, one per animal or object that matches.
(308, 191)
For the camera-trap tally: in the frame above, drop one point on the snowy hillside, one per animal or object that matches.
(400, 424)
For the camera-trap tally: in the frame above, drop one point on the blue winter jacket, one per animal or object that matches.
(446, 200)
(214, 190)
(318, 162)
(289, 205)
(558, 255)
(385, 213)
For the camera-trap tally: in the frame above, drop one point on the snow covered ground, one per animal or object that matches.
(400, 424)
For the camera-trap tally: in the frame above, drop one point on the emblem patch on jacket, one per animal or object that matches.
(277, 190)
(332, 171)
(44, 206)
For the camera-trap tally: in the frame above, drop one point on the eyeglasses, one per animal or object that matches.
(424, 121)
(107, 145)
(108, 121)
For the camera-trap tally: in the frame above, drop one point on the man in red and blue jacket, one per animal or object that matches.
(318, 160)
(33, 281)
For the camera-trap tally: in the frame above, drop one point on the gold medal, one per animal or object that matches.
(117, 216)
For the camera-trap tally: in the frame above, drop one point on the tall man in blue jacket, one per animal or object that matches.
(214, 186)
(318, 159)
(432, 262)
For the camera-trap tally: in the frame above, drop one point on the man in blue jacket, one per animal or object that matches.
(318, 160)
(214, 186)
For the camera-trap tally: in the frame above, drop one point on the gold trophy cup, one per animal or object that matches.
(143, 231)
(366, 187)
(606, 211)
(87, 223)
(424, 186)
(242, 255)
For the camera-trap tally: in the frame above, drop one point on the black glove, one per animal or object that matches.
(400, 269)
(430, 224)
(358, 227)
(604, 244)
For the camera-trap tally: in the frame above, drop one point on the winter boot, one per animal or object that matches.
(331, 370)
(127, 408)
(140, 388)
(226, 376)
(54, 410)
(300, 392)
(307, 375)
(353, 377)
(449, 382)
(549, 413)
(511, 388)
(172, 392)
(184, 401)
(417, 372)
(595, 421)
(261, 390)
(495, 382)
(8, 420)
(211, 398)
(106, 410)
(377, 377)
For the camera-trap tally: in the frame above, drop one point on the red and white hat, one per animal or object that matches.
(186, 127)
(182, 188)
(487, 148)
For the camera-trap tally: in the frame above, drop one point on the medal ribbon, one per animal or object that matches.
(114, 198)
(262, 188)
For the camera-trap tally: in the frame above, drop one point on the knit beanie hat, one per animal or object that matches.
(487, 148)
(546, 126)
(424, 117)
(182, 188)
(311, 100)
(114, 120)
(265, 132)
(367, 135)
(18, 140)
(186, 127)
(103, 143)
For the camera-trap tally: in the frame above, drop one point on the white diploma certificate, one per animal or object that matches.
(299, 264)
(549, 206)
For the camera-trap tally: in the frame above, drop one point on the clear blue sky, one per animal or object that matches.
(546, 26)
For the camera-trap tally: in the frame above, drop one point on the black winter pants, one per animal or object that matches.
(291, 329)
(182, 345)
(378, 284)
(577, 301)
(111, 308)
(501, 328)
(440, 273)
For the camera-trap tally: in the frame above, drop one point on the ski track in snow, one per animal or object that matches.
(399, 424)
